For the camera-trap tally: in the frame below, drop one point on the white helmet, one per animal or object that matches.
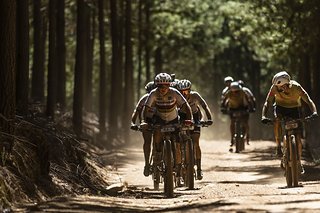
(281, 78)
(184, 85)
(228, 79)
(235, 86)
(162, 78)
(149, 86)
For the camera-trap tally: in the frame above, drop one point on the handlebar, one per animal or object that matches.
(181, 126)
(287, 119)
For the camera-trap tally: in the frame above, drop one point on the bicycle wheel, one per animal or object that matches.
(294, 161)
(155, 175)
(286, 153)
(190, 164)
(168, 176)
(238, 144)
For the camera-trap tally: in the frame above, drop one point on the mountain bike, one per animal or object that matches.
(238, 137)
(187, 150)
(291, 161)
(162, 163)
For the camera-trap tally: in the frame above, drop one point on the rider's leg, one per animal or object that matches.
(278, 133)
(178, 159)
(196, 140)
(232, 125)
(299, 145)
(157, 146)
(246, 128)
(147, 136)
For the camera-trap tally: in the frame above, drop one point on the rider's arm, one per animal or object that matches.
(223, 97)
(182, 103)
(186, 108)
(138, 110)
(269, 101)
(204, 105)
(306, 98)
(148, 105)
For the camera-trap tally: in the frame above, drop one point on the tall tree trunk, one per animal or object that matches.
(52, 68)
(128, 102)
(22, 76)
(140, 46)
(120, 73)
(113, 125)
(61, 57)
(8, 11)
(102, 86)
(79, 68)
(39, 25)
(147, 41)
(90, 43)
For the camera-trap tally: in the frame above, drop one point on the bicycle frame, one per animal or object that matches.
(291, 159)
(239, 132)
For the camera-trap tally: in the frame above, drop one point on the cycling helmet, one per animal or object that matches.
(149, 86)
(228, 79)
(241, 82)
(162, 78)
(235, 86)
(281, 78)
(175, 83)
(184, 85)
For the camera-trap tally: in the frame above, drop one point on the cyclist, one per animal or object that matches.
(166, 100)
(227, 81)
(285, 95)
(235, 100)
(251, 104)
(146, 133)
(195, 101)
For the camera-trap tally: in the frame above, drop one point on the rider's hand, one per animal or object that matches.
(187, 122)
(209, 122)
(144, 125)
(265, 120)
(312, 116)
(134, 127)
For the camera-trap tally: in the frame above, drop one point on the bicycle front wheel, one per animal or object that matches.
(190, 164)
(294, 160)
(168, 174)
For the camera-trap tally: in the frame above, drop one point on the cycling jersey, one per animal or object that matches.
(194, 99)
(236, 100)
(166, 105)
(290, 98)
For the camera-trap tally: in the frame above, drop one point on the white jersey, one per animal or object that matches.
(166, 105)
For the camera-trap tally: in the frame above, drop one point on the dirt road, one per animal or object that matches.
(249, 181)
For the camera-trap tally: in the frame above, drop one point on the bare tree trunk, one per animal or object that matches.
(128, 102)
(120, 73)
(61, 56)
(147, 41)
(37, 85)
(79, 68)
(8, 11)
(140, 46)
(113, 125)
(52, 68)
(89, 75)
(22, 77)
(102, 86)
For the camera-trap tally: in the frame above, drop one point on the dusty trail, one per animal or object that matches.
(249, 181)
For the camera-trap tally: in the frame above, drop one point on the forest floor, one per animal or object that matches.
(48, 160)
